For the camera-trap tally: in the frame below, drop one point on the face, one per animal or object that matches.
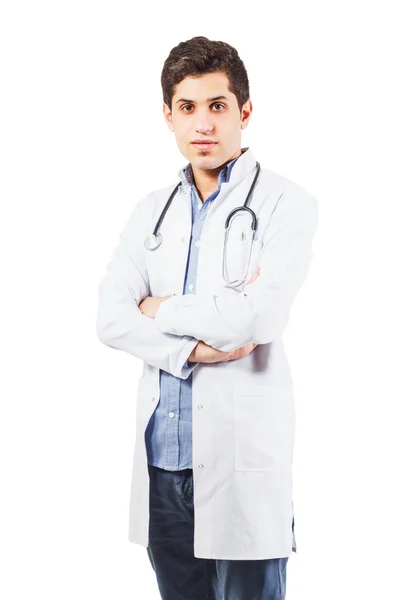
(204, 109)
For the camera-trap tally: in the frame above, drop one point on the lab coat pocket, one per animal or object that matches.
(264, 423)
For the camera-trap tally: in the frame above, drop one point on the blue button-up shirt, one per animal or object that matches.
(169, 431)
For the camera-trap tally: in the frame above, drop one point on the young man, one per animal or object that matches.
(211, 495)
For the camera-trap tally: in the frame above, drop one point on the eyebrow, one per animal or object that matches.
(208, 99)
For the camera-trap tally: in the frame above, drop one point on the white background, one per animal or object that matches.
(82, 140)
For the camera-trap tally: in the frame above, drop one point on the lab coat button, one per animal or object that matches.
(153, 399)
(171, 415)
(200, 466)
(200, 406)
(182, 239)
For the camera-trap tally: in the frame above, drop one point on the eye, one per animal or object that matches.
(190, 106)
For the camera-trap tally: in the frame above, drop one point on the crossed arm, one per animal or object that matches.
(120, 323)
(203, 352)
(258, 314)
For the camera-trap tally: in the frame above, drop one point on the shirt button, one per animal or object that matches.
(197, 244)
(191, 286)
(200, 204)
(200, 406)
(171, 415)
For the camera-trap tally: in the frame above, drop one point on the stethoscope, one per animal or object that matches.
(154, 240)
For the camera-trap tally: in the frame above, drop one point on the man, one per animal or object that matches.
(211, 482)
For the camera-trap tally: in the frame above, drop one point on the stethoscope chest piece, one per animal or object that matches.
(153, 241)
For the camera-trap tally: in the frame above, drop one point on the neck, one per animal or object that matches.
(206, 180)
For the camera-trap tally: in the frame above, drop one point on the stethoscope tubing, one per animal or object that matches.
(154, 241)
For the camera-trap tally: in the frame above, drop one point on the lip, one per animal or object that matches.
(204, 144)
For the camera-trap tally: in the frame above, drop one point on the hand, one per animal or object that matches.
(254, 276)
(149, 306)
(203, 353)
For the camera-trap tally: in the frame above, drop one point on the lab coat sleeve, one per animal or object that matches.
(120, 323)
(260, 312)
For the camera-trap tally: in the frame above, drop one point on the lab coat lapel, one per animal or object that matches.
(167, 265)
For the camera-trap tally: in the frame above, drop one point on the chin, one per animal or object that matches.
(207, 162)
(204, 155)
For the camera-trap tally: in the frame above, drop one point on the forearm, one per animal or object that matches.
(260, 312)
(213, 320)
(121, 325)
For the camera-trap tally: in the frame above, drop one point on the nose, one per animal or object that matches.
(202, 128)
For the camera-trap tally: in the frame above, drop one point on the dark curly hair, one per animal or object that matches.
(198, 56)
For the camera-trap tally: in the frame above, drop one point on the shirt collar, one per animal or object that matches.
(233, 172)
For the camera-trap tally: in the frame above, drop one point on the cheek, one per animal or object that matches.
(187, 127)
(181, 123)
(183, 131)
(231, 130)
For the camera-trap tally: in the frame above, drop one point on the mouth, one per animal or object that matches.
(204, 145)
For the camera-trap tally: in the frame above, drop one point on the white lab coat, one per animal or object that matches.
(243, 410)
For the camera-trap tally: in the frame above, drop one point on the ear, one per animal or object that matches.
(168, 117)
(246, 114)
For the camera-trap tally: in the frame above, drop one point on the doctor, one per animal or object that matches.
(211, 486)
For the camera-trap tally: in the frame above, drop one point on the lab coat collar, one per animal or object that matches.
(244, 165)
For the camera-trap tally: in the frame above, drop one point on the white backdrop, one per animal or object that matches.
(82, 140)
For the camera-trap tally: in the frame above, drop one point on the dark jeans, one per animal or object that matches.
(182, 576)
